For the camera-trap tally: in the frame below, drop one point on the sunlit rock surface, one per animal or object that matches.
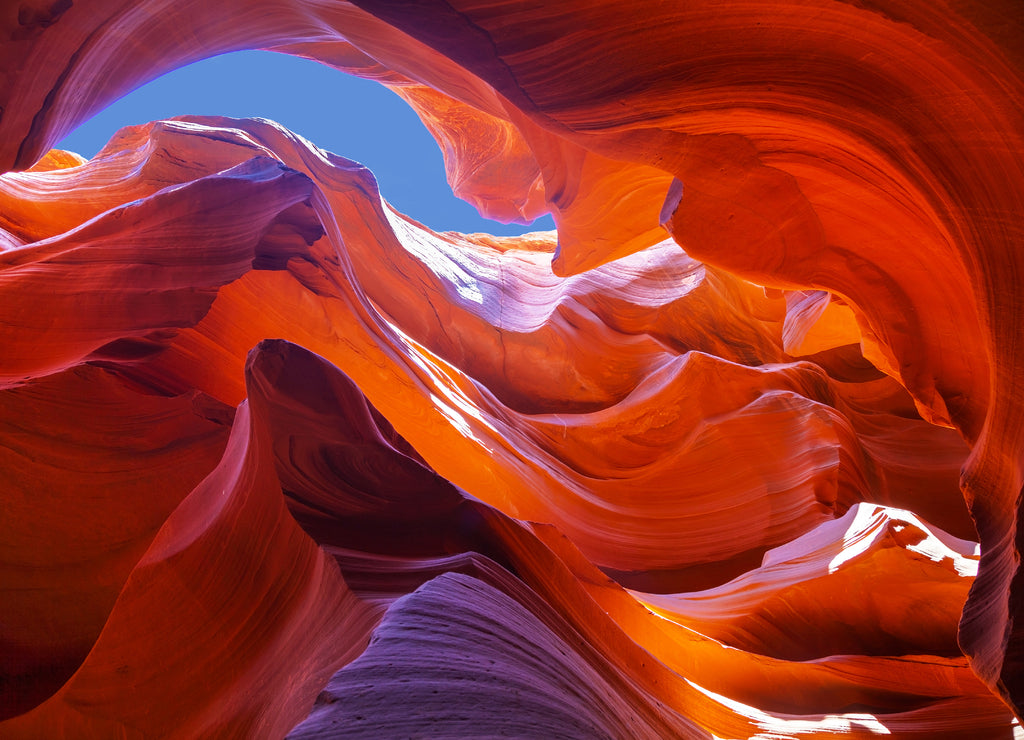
(736, 453)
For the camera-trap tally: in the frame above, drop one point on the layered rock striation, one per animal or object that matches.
(737, 452)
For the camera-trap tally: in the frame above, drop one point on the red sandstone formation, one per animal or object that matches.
(737, 453)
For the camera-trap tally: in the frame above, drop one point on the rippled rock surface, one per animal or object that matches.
(737, 452)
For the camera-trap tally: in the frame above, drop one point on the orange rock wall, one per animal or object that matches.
(738, 452)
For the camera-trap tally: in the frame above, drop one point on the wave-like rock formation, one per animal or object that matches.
(737, 452)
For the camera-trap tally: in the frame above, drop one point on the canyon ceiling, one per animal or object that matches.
(737, 452)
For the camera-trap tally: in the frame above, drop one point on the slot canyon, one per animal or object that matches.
(736, 452)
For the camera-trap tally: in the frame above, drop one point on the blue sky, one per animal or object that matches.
(355, 118)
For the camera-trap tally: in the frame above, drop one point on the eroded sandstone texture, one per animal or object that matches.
(737, 453)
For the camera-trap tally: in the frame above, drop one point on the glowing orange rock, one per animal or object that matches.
(808, 143)
(488, 163)
(838, 589)
(663, 422)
